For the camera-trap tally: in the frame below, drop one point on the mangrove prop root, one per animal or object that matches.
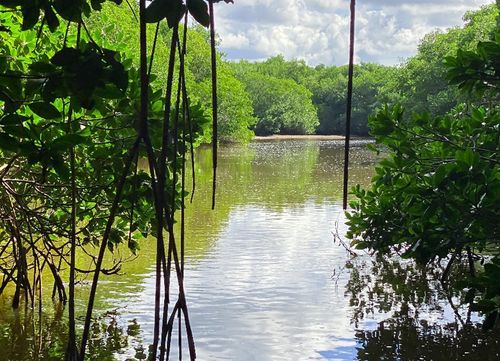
(349, 103)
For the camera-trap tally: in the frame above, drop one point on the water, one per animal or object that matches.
(265, 279)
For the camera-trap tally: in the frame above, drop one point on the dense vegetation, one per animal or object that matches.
(80, 108)
(82, 105)
(279, 96)
(436, 197)
(117, 24)
(313, 99)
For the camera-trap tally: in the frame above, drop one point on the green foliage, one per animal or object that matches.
(77, 117)
(437, 193)
(476, 72)
(92, 85)
(422, 82)
(235, 113)
(60, 97)
(48, 11)
(369, 93)
(324, 86)
(280, 105)
(116, 24)
(174, 10)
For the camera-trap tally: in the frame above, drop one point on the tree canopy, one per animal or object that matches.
(419, 83)
(80, 108)
(436, 196)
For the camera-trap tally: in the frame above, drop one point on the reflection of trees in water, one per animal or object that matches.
(422, 320)
(21, 339)
(109, 338)
(407, 339)
(383, 285)
(276, 174)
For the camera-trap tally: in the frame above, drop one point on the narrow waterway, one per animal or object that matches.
(267, 280)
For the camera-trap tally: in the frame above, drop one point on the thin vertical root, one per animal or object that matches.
(214, 99)
(349, 104)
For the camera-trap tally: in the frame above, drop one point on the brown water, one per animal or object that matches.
(265, 279)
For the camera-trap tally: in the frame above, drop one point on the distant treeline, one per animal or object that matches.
(277, 96)
(291, 97)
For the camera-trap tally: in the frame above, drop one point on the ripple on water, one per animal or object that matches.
(264, 279)
(265, 291)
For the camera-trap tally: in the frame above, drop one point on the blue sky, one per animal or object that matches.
(388, 31)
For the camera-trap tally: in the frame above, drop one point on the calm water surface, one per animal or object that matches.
(265, 279)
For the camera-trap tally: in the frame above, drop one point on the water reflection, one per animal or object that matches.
(21, 340)
(405, 339)
(263, 275)
(286, 173)
(27, 337)
(402, 312)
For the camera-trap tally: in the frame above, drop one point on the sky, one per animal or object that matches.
(317, 31)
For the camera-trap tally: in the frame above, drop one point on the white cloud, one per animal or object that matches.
(235, 41)
(317, 30)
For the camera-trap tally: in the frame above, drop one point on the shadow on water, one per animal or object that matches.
(264, 278)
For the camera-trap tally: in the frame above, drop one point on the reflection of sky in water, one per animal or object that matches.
(264, 278)
(339, 353)
(265, 291)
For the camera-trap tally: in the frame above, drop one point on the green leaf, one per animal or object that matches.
(361, 245)
(41, 67)
(51, 18)
(69, 9)
(66, 141)
(156, 11)
(172, 10)
(45, 110)
(18, 131)
(175, 16)
(115, 237)
(96, 5)
(133, 245)
(440, 174)
(60, 166)
(8, 142)
(478, 114)
(469, 157)
(109, 92)
(199, 10)
(12, 119)
(31, 13)
(65, 57)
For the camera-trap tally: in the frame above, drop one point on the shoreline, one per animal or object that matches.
(299, 137)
